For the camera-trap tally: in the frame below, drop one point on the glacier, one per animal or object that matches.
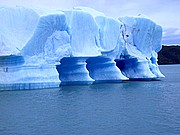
(42, 48)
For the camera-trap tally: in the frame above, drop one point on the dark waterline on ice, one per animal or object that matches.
(129, 108)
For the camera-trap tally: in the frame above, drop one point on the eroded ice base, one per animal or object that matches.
(138, 70)
(25, 78)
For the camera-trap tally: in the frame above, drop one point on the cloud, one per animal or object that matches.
(171, 36)
(171, 31)
(164, 13)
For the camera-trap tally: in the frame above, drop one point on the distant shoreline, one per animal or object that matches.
(169, 55)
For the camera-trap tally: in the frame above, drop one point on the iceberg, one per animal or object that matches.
(49, 48)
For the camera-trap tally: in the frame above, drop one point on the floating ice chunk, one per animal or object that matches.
(78, 37)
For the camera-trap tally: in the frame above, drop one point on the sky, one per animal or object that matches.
(162, 12)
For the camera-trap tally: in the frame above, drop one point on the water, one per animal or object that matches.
(129, 108)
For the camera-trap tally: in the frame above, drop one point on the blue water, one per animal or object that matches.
(129, 108)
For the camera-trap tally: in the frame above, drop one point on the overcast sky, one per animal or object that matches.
(163, 12)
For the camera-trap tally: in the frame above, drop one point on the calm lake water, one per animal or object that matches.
(128, 108)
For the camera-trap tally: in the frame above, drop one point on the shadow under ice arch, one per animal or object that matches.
(88, 70)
